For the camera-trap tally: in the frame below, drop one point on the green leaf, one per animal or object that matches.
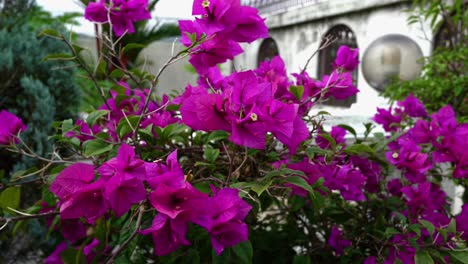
(117, 74)
(461, 256)
(58, 56)
(96, 147)
(132, 46)
(173, 107)
(10, 197)
(422, 257)
(260, 187)
(300, 182)
(297, 91)
(73, 255)
(217, 135)
(318, 201)
(94, 116)
(224, 258)
(301, 259)
(311, 151)
(330, 139)
(428, 225)
(359, 148)
(323, 113)
(211, 154)
(126, 125)
(390, 231)
(244, 252)
(67, 125)
(452, 227)
(77, 48)
(416, 229)
(349, 129)
(102, 69)
(50, 33)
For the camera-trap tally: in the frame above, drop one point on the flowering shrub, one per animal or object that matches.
(239, 168)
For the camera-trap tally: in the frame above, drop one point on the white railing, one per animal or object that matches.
(278, 6)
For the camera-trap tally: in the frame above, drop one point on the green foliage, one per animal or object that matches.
(38, 91)
(444, 77)
(444, 81)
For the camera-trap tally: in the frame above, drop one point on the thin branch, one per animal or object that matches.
(24, 216)
(328, 41)
(119, 250)
(181, 54)
(88, 71)
(246, 157)
(228, 178)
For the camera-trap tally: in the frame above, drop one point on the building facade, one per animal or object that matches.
(299, 27)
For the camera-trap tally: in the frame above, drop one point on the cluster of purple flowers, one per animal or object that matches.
(121, 184)
(429, 142)
(119, 13)
(122, 105)
(440, 139)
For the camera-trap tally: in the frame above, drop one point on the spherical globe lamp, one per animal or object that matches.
(391, 56)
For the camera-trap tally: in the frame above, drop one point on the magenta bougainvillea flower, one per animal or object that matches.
(462, 222)
(73, 229)
(85, 132)
(337, 133)
(88, 202)
(413, 107)
(224, 24)
(312, 174)
(245, 106)
(394, 187)
(346, 58)
(186, 204)
(122, 191)
(371, 170)
(424, 197)
(54, 257)
(122, 14)
(125, 163)
(385, 118)
(90, 250)
(401, 249)
(228, 211)
(410, 158)
(10, 126)
(168, 234)
(212, 52)
(337, 242)
(72, 179)
(338, 85)
(230, 19)
(421, 132)
(274, 72)
(348, 180)
(170, 175)
(203, 111)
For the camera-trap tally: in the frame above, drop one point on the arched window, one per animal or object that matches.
(342, 35)
(268, 50)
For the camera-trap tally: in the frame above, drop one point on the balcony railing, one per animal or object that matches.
(278, 6)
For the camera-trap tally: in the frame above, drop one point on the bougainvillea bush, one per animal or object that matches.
(238, 168)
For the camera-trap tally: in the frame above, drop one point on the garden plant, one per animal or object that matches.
(238, 168)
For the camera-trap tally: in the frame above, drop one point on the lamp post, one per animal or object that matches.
(391, 56)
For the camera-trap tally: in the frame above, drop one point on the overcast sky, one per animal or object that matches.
(165, 8)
